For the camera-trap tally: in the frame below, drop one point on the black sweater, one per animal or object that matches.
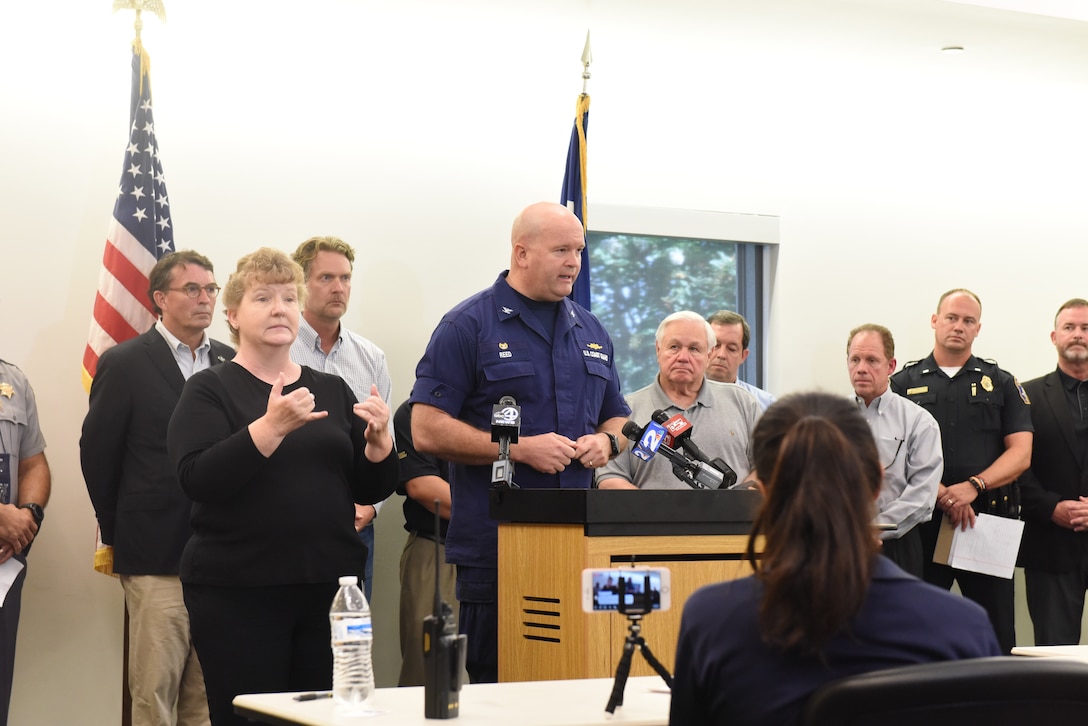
(285, 519)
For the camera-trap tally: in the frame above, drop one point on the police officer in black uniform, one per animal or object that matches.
(423, 479)
(986, 433)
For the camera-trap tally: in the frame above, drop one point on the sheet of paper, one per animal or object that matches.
(990, 547)
(8, 572)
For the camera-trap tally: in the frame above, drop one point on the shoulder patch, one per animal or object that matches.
(1020, 389)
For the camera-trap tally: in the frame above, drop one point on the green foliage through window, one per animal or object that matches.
(639, 279)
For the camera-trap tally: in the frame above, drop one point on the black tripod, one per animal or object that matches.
(634, 640)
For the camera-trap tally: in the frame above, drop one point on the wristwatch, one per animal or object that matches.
(36, 511)
(614, 443)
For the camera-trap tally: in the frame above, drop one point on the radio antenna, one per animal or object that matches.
(437, 559)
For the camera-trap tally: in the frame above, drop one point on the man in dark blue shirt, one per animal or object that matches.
(523, 338)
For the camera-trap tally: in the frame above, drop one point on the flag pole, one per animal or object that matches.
(132, 247)
(581, 109)
(119, 312)
(574, 178)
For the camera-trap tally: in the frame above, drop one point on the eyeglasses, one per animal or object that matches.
(898, 447)
(193, 290)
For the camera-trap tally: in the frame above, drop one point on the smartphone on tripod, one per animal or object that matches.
(626, 590)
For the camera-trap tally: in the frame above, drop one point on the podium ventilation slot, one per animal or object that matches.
(541, 638)
(538, 620)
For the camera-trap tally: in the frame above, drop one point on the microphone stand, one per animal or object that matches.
(685, 476)
(502, 470)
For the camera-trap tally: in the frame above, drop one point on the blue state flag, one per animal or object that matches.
(574, 191)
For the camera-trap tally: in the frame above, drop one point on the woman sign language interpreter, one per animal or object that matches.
(275, 456)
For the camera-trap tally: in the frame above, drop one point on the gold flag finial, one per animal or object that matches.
(152, 6)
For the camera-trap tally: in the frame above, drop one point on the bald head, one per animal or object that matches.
(540, 219)
(546, 251)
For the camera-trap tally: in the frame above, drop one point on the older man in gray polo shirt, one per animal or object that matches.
(722, 417)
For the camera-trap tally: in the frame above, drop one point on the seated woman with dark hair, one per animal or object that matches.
(822, 603)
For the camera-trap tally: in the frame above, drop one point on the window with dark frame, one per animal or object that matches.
(638, 279)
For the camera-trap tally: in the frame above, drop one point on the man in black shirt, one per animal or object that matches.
(423, 479)
(1054, 552)
(986, 436)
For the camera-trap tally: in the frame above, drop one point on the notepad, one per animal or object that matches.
(990, 547)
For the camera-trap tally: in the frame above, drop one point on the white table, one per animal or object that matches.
(1079, 652)
(530, 703)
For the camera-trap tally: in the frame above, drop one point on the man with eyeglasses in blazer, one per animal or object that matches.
(908, 439)
(142, 512)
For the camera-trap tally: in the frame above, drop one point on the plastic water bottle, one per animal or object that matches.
(352, 641)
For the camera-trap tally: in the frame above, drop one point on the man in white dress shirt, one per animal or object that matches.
(733, 336)
(325, 345)
(908, 439)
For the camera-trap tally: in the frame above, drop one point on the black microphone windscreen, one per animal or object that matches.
(632, 431)
(660, 416)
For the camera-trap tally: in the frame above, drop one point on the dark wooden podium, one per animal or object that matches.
(548, 536)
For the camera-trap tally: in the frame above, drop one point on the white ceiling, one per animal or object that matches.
(1069, 9)
(1046, 40)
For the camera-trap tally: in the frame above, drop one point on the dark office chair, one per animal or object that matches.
(1013, 690)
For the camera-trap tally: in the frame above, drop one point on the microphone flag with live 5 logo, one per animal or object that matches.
(678, 428)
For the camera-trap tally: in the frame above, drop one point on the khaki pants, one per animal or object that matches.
(163, 670)
(417, 602)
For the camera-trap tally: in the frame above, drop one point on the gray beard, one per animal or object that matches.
(1074, 356)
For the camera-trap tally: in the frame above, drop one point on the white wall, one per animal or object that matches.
(416, 130)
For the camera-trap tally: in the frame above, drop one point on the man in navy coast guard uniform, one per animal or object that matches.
(986, 436)
(524, 338)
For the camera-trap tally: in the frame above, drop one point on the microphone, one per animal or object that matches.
(505, 427)
(647, 440)
(679, 429)
(651, 440)
(506, 420)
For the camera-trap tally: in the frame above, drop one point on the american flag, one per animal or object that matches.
(574, 190)
(139, 233)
